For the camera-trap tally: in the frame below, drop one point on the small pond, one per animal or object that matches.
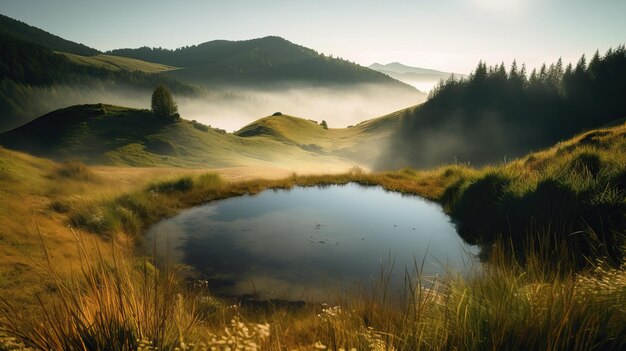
(304, 243)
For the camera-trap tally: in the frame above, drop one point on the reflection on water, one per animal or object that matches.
(306, 242)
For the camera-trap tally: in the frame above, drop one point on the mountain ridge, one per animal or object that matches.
(60, 76)
(270, 59)
(23, 31)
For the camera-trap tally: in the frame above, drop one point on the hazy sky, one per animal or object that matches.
(450, 35)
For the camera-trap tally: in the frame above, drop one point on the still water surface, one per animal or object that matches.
(304, 243)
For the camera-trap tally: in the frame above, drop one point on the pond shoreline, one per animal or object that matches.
(264, 245)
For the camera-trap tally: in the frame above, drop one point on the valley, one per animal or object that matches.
(253, 193)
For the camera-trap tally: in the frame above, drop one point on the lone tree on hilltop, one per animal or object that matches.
(163, 104)
(324, 124)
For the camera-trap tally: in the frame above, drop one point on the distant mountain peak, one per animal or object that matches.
(398, 67)
(423, 79)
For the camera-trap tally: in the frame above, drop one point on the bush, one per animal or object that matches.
(74, 169)
(200, 126)
(60, 206)
(160, 147)
(586, 163)
(478, 207)
(181, 185)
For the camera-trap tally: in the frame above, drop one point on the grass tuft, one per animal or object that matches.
(180, 185)
(74, 169)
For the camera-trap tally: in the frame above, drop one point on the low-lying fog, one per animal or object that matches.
(231, 110)
(422, 85)
(339, 107)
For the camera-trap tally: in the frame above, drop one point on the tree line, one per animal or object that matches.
(497, 113)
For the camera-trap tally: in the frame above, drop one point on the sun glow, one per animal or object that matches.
(499, 6)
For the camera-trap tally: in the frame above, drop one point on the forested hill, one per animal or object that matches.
(258, 61)
(15, 29)
(497, 114)
(34, 79)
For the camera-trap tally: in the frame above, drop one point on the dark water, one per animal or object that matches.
(307, 242)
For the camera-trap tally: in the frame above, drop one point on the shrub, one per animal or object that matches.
(586, 163)
(160, 147)
(74, 169)
(181, 185)
(60, 206)
(200, 126)
(451, 194)
(478, 207)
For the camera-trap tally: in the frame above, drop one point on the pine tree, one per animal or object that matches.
(533, 77)
(500, 72)
(594, 64)
(481, 71)
(543, 74)
(513, 73)
(581, 66)
(522, 74)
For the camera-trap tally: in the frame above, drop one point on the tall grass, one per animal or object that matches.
(498, 308)
(106, 304)
(572, 195)
(118, 303)
(551, 225)
(74, 169)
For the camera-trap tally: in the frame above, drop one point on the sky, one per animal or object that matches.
(448, 35)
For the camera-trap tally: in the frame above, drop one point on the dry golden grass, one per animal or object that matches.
(40, 196)
(122, 302)
(506, 305)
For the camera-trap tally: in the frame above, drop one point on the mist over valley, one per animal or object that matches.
(354, 175)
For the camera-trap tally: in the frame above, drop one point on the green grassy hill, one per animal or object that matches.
(362, 143)
(106, 134)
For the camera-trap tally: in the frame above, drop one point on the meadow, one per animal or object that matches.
(550, 225)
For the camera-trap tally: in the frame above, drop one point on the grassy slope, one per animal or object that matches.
(363, 143)
(504, 307)
(39, 195)
(115, 63)
(115, 135)
(571, 196)
(28, 188)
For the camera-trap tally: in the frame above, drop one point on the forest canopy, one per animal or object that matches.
(497, 113)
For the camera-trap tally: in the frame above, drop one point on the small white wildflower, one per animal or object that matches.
(319, 346)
